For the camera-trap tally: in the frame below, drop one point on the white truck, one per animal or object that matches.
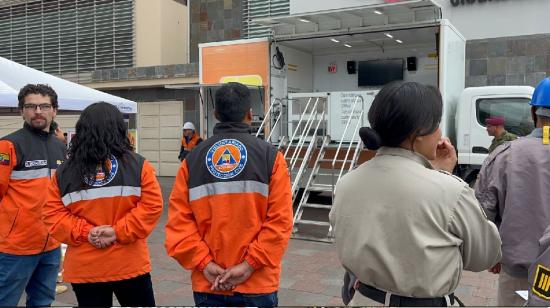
(477, 104)
(334, 55)
(317, 74)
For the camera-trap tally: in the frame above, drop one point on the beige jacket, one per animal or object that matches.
(403, 227)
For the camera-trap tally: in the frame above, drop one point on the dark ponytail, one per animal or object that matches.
(370, 138)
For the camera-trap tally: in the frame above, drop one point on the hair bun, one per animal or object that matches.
(370, 138)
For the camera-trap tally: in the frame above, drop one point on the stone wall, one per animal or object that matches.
(214, 21)
(521, 60)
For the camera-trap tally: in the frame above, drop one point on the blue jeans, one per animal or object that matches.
(34, 274)
(236, 300)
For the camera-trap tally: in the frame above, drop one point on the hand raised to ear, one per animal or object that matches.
(445, 156)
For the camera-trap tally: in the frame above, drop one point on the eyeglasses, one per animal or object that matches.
(43, 107)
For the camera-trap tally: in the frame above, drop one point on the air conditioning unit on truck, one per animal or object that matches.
(314, 79)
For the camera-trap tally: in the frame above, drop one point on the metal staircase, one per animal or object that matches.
(315, 165)
(336, 165)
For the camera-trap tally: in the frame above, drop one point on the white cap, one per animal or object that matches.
(188, 125)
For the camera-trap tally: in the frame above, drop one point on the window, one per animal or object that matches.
(68, 36)
(516, 112)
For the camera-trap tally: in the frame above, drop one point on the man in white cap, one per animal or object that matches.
(189, 140)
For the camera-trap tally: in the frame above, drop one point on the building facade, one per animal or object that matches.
(508, 41)
(147, 50)
(134, 49)
(225, 20)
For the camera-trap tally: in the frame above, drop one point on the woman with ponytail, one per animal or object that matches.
(103, 203)
(403, 224)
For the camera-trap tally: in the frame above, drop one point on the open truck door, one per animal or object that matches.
(319, 47)
(323, 71)
(451, 53)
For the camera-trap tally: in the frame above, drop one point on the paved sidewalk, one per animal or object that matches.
(311, 275)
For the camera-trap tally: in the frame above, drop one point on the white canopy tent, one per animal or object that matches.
(71, 96)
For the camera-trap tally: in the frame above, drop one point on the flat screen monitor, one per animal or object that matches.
(380, 72)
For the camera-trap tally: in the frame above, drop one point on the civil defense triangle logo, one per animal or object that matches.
(226, 158)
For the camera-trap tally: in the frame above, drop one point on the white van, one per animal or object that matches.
(477, 104)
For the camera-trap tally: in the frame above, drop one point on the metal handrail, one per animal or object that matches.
(275, 125)
(301, 141)
(356, 153)
(341, 141)
(305, 160)
(305, 131)
(356, 130)
(298, 126)
(281, 142)
(325, 141)
(268, 114)
(299, 210)
(298, 176)
(346, 130)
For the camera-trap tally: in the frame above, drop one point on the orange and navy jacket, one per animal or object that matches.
(28, 158)
(236, 206)
(186, 147)
(127, 198)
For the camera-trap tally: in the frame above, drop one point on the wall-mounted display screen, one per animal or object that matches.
(380, 72)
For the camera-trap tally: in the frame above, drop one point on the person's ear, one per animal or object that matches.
(249, 115)
(534, 115)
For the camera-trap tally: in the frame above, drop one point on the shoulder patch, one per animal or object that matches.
(226, 158)
(101, 179)
(4, 159)
(541, 283)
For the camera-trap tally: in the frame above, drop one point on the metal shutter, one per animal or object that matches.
(68, 36)
(253, 9)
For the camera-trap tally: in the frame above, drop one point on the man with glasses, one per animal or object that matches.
(29, 257)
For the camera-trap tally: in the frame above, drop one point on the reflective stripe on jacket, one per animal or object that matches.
(129, 199)
(236, 206)
(27, 160)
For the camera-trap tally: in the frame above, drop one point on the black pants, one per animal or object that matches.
(134, 292)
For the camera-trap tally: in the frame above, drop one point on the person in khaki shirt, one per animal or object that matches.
(404, 226)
